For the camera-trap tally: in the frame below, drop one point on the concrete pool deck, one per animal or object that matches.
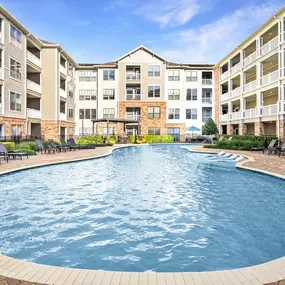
(13, 271)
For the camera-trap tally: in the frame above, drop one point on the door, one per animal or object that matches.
(174, 132)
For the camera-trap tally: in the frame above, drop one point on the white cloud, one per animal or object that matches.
(211, 42)
(80, 23)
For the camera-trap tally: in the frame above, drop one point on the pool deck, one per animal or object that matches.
(13, 271)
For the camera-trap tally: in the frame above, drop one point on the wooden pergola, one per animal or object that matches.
(115, 121)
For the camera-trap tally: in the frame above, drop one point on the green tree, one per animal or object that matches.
(210, 128)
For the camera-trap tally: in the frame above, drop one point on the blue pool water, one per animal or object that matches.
(157, 208)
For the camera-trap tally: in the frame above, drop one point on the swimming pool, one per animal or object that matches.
(157, 208)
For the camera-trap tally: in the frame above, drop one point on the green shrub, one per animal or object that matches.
(57, 142)
(132, 139)
(29, 151)
(45, 143)
(158, 139)
(110, 141)
(27, 145)
(9, 145)
(210, 128)
(90, 140)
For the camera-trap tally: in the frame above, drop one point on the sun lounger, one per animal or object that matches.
(60, 148)
(263, 149)
(42, 148)
(4, 153)
(281, 151)
(63, 143)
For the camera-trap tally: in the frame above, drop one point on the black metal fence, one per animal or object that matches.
(18, 139)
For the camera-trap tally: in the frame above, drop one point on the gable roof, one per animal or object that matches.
(141, 47)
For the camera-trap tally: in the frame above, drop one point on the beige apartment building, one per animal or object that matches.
(250, 83)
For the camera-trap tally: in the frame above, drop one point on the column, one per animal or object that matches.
(230, 129)
(258, 46)
(259, 72)
(258, 128)
(259, 103)
(243, 129)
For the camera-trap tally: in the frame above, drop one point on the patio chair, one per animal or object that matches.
(42, 148)
(60, 148)
(4, 157)
(63, 143)
(281, 151)
(270, 148)
(5, 154)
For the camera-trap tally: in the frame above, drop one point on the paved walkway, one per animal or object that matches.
(13, 271)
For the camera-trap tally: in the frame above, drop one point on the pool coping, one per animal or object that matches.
(31, 273)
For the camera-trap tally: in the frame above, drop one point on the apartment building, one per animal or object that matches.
(166, 98)
(250, 83)
(36, 83)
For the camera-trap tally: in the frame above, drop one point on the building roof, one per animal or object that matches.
(47, 42)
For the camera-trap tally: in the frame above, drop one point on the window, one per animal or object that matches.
(154, 131)
(191, 95)
(87, 114)
(207, 96)
(173, 94)
(15, 69)
(109, 113)
(191, 75)
(70, 69)
(173, 114)
(108, 94)
(15, 34)
(16, 130)
(93, 114)
(174, 132)
(111, 131)
(87, 94)
(173, 75)
(154, 112)
(153, 70)
(191, 114)
(87, 75)
(153, 91)
(15, 101)
(70, 113)
(109, 74)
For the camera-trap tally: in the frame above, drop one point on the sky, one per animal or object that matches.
(182, 31)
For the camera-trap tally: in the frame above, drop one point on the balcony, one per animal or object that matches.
(269, 110)
(224, 118)
(1, 108)
(207, 100)
(236, 92)
(62, 69)
(133, 76)
(33, 86)
(225, 75)
(225, 96)
(250, 113)
(207, 81)
(250, 86)
(269, 78)
(133, 97)
(34, 59)
(62, 116)
(236, 68)
(235, 115)
(205, 118)
(62, 93)
(250, 59)
(33, 113)
(133, 117)
(268, 47)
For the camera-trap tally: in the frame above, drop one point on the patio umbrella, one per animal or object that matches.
(193, 129)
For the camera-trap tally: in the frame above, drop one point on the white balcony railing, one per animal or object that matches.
(133, 97)
(236, 68)
(207, 81)
(62, 93)
(268, 47)
(34, 86)
(207, 100)
(1, 108)
(236, 92)
(34, 59)
(249, 59)
(224, 118)
(33, 113)
(225, 75)
(250, 113)
(269, 110)
(205, 118)
(133, 76)
(235, 115)
(62, 116)
(249, 86)
(133, 117)
(15, 42)
(62, 69)
(225, 96)
(269, 78)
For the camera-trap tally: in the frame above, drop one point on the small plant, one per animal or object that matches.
(27, 145)
(10, 146)
(110, 142)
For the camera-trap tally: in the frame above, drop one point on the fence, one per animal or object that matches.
(18, 139)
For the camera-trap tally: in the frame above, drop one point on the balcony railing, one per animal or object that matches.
(207, 100)
(250, 113)
(249, 59)
(63, 93)
(236, 68)
(225, 96)
(34, 59)
(62, 116)
(33, 113)
(225, 75)
(62, 69)
(269, 78)
(235, 115)
(269, 110)
(1, 108)
(133, 97)
(15, 42)
(224, 117)
(236, 92)
(34, 86)
(268, 47)
(133, 117)
(205, 118)
(249, 86)
(133, 76)
(207, 81)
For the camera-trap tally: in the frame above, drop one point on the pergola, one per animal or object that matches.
(115, 121)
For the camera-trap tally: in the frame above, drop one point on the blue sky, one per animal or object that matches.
(188, 31)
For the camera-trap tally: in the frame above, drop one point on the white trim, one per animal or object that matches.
(14, 111)
(159, 90)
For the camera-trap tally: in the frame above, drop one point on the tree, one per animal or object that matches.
(210, 128)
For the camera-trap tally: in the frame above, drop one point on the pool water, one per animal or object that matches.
(158, 208)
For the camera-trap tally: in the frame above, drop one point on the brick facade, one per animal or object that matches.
(282, 128)
(230, 129)
(7, 122)
(51, 129)
(258, 128)
(243, 129)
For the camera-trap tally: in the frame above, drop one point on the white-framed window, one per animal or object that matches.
(207, 96)
(87, 94)
(87, 75)
(108, 94)
(191, 75)
(153, 70)
(191, 94)
(16, 130)
(15, 69)
(153, 91)
(87, 114)
(109, 113)
(154, 131)
(173, 94)
(154, 112)
(173, 114)
(15, 101)
(111, 131)
(173, 75)
(15, 33)
(191, 114)
(70, 113)
(109, 74)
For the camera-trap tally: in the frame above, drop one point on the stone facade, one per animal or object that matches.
(282, 128)
(7, 122)
(51, 129)
(243, 129)
(258, 128)
(230, 129)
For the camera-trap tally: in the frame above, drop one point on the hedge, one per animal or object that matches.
(9, 145)
(90, 140)
(158, 139)
(27, 145)
(29, 151)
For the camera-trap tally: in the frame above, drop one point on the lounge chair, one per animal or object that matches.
(7, 155)
(72, 142)
(270, 148)
(63, 143)
(60, 148)
(281, 151)
(4, 157)
(42, 148)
